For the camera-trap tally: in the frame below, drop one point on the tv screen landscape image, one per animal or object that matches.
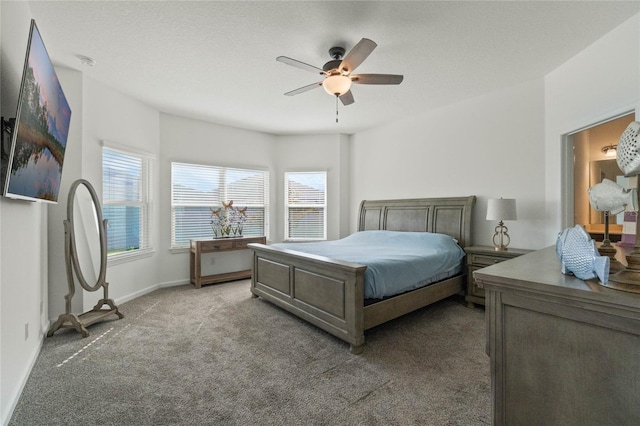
(41, 128)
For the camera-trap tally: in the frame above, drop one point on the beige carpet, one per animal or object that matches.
(216, 356)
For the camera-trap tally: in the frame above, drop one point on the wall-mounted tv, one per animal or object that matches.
(39, 136)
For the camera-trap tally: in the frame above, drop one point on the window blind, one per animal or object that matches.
(126, 204)
(305, 205)
(195, 189)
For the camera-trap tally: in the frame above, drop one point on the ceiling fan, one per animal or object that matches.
(337, 72)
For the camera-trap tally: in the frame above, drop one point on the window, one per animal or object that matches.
(126, 204)
(196, 189)
(305, 206)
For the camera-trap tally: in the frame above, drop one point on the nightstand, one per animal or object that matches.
(479, 257)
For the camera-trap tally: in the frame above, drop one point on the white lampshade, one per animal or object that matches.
(337, 84)
(501, 209)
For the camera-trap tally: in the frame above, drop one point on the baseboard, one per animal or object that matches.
(138, 293)
(173, 283)
(148, 290)
(15, 398)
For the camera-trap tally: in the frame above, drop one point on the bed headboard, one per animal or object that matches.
(451, 216)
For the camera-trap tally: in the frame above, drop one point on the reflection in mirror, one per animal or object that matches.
(87, 234)
(606, 169)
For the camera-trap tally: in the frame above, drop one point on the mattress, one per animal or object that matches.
(396, 261)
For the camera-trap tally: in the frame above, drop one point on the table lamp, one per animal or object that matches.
(628, 160)
(501, 209)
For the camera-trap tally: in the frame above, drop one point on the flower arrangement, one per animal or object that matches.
(227, 220)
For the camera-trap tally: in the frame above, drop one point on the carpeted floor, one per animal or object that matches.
(216, 356)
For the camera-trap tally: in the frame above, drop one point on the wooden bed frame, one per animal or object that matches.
(329, 293)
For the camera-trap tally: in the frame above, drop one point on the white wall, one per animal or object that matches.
(23, 237)
(71, 81)
(193, 141)
(99, 113)
(117, 119)
(33, 278)
(507, 143)
(597, 84)
(490, 146)
(315, 153)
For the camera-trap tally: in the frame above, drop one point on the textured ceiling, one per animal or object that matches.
(216, 60)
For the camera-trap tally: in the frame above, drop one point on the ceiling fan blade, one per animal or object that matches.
(347, 98)
(357, 55)
(377, 78)
(304, 89)
(298, 64)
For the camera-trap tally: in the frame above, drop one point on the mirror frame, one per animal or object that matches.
(99, 311)
(72, 254)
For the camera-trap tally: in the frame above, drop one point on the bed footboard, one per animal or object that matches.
(325, 292)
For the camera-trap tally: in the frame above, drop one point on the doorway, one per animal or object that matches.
(594, 159)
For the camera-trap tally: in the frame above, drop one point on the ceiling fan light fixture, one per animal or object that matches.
(337, 85)
(610, 150)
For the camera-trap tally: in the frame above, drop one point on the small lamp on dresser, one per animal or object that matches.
(501, 209)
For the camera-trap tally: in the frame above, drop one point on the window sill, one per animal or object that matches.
(302, 240)
(175, 250)
(117, 259)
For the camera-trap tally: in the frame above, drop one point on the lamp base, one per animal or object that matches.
(624, 280)
(627, 279)
(501, 238)
(606, 249)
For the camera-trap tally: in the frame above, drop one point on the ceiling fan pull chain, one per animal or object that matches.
(336, 108)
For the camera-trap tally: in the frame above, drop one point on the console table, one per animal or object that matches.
(198, 247)
(563, 351)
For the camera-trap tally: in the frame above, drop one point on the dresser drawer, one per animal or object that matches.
(473, 288)
(485, 259)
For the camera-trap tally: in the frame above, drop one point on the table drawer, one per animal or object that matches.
(243, 243)
(206, 246)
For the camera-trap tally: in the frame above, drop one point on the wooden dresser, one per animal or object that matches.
(198, 247)
(563, 351)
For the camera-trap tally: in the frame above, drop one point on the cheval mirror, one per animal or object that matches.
(85, 258)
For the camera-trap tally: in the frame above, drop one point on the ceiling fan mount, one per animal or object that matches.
(337, 52)
(337, 72)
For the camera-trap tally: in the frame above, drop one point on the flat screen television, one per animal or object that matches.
(39, 135)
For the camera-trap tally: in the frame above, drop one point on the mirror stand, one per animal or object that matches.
(92, 316)
(74, 271)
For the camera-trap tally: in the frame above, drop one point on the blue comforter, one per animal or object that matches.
(396, 261)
